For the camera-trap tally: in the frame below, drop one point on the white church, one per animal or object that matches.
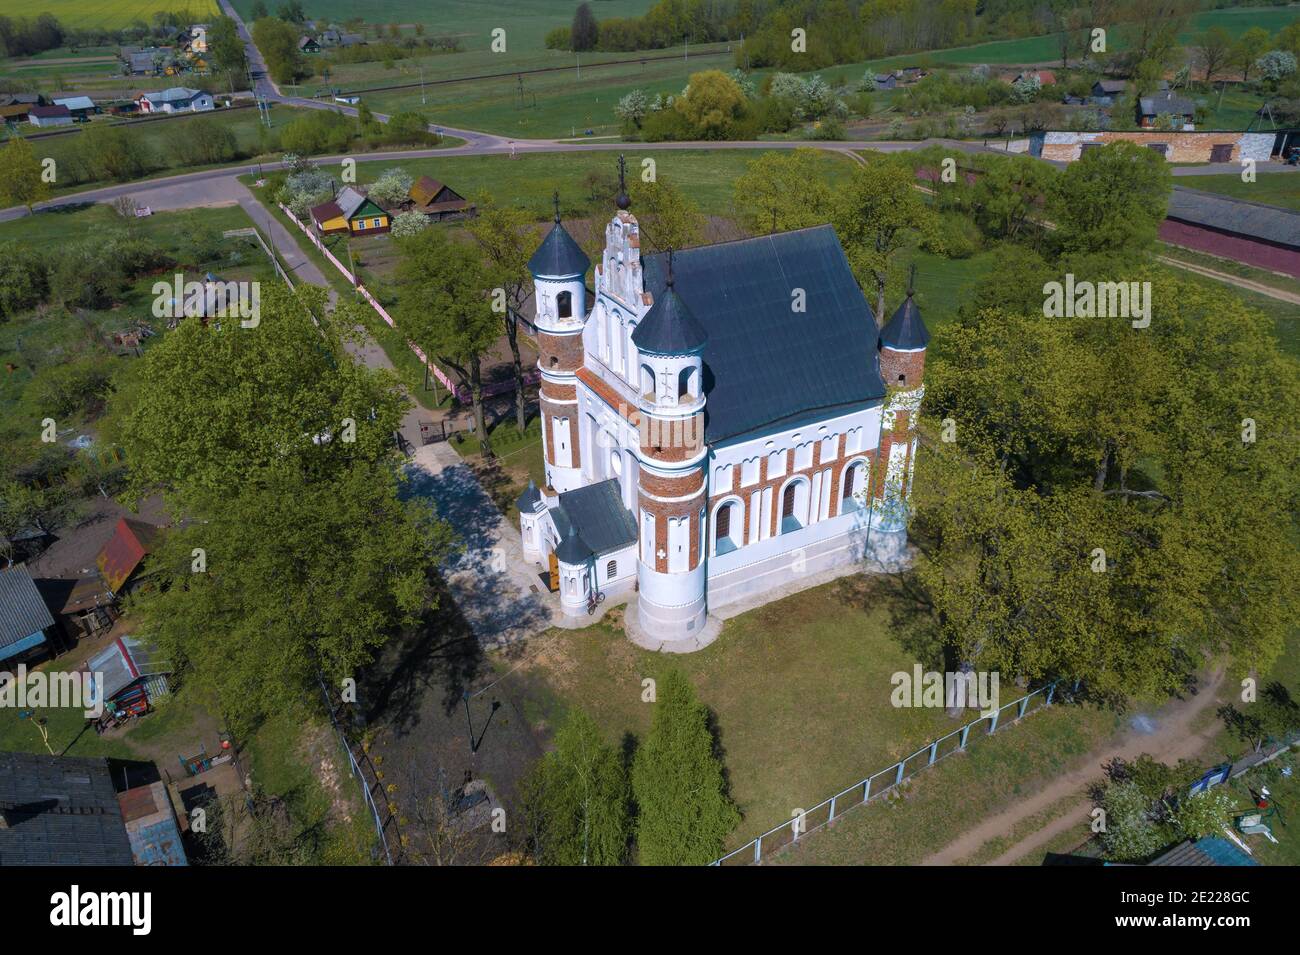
(718, 423)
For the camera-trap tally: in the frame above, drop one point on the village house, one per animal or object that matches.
(81, 107)
(1150, 110)
(307, 44)
(14, 107)
(1195, 146)
(175, 99)
(198, 38)
(150, 61)
(438, 201)
(702, 437)
(120, 559)
(25, 621)
(47, 116)
(351, 211)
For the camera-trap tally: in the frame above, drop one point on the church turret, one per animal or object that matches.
(559, 269)
(903, 341)
(671, 480)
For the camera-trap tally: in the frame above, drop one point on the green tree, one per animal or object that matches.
(1214, 48)
(578, 797)
(585, 32)
(1131, 834)
(21, 182)
(684, 814)
(1008, 192)
(1248, 48)
(1111, 201)
(784, 190)
(1207, 813)
(225, 48)
(877, 215)
(711, 104)
(668, 219)
(506, 237)
(445, 307)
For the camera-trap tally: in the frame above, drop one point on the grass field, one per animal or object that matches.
(526, 22)
(1044, 49)
(1272, 189)
(121, 13)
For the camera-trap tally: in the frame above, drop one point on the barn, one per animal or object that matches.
(1266, 237)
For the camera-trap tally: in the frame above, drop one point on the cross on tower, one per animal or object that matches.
(556, 199)
(622, 171)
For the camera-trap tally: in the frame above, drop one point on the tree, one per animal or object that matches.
(506, 237)
(21, 182)
(1008, 191)
(225, 48)
(278, 449)
(876, 215)
(1248, 48)
(633, 107)
(585, 32)
(1276, 65)
(1131, 835)
(445, 308)
(1111, 201)
(668, 219)
(784, 190)
(577, 797)
(392, 187)
(711, 104)
(1063, 529)
(1214, 48)
(258, 10)
(684, 814)
(406, 224)
(1207, 813)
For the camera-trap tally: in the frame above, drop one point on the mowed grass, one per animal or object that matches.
(800, 691)
(707, 177)
(553, 105)
(121, 13)
(1272, 189)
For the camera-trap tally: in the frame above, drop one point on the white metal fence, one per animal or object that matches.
(878, 784)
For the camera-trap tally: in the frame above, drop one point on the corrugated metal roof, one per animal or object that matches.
(765, 362)
(22, 611)
(130, 542)
(1211, 851)
(60, 810)
(1254, 219)
(1166, 103)
(597, 514)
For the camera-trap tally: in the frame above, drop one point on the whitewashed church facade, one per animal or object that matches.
(717, 423)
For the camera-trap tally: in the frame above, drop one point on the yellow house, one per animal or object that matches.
(350, 211)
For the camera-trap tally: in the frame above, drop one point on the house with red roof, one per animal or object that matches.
(121, 557)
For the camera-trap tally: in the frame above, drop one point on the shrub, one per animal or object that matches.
(409, 223)
(392, 187)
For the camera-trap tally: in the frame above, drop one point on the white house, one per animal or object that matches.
(724, 421)
(175, 99)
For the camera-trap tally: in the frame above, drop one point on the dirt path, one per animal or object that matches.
(1171, 741)
(1237, 280)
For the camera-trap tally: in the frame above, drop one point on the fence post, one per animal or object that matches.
(993, 723)
(758, 849)
(1051, 691)
(934, 748)
(899, 778)
(965, 731)
(866, 789)
(832, 815)
(1024, 705)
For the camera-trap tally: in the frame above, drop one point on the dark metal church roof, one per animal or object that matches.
(559, 255)
(597, 514)
(765, 362)
(905, 331)
(669, 328)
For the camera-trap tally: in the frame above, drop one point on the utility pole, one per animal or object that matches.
(578, 57)
(421, 84)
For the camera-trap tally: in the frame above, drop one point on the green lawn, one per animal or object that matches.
(112, 14)
(800, 692)
(1273, 188)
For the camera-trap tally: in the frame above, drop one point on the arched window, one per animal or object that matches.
(564, 304)
(611, 570)
(854, 483)
(647, 381)
(728, 528)
(686, 383)
(794, 505)
(554, 361)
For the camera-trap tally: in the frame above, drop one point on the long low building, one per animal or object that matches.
(1267, 237)
(1204, 146)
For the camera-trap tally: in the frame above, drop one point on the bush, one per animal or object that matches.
(409, 223)
(829, 129)
(24, 278)
(321, 131)
(960, 236)
(70, 388)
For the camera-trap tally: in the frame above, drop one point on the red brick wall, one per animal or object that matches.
(1239, 248)
(895, 363)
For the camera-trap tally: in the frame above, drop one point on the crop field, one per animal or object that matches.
(120, 13)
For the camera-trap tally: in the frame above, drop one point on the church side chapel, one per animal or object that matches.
(720, 423)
